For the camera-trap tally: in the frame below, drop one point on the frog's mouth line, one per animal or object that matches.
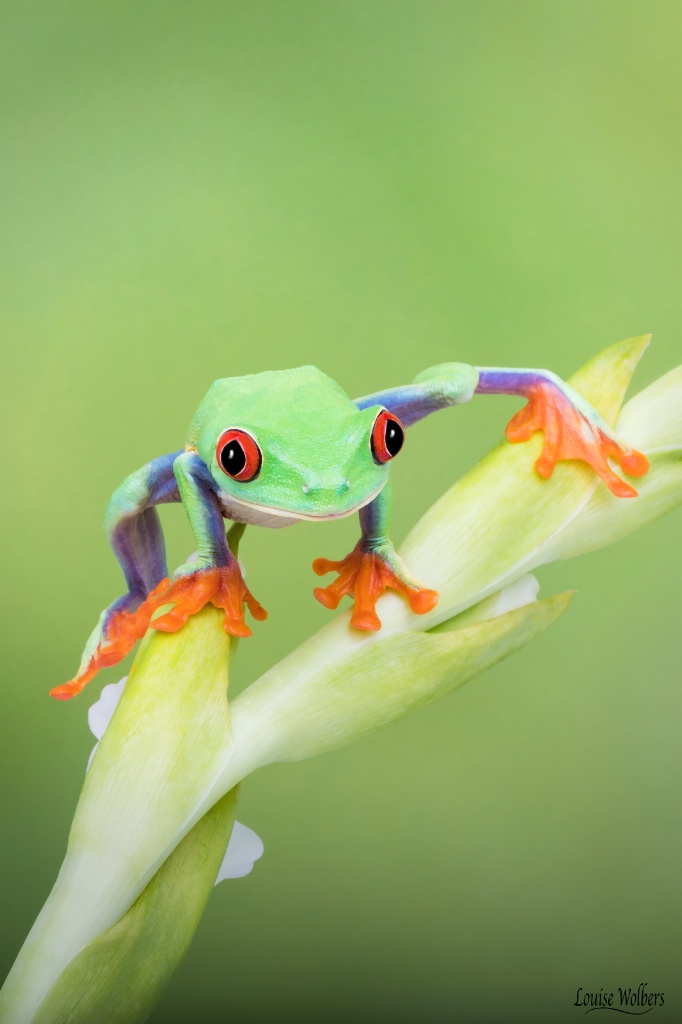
(287, 514)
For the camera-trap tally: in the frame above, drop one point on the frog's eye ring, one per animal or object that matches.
(238, 455)
(388, 437)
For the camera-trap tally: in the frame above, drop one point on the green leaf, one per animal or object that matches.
(169, 736)
(606, 519)
(289, 715)
(119, 977)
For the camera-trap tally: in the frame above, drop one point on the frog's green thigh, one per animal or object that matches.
(371, 568)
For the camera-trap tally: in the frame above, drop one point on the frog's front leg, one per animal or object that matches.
(572, 428)
(215, 577)
(371, 568)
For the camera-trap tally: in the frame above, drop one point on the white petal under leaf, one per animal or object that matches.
(99, 714)
(244, 849)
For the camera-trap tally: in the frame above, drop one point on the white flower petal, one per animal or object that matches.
(99, 715)
(244, 848)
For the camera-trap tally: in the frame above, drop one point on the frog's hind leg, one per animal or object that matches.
(136, 537)
(572, 428)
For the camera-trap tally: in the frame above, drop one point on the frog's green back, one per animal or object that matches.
(271, 398)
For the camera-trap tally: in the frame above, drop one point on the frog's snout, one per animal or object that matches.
(325, 486)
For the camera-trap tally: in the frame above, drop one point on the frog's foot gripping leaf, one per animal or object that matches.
(221, 586)
(366, 575)
(119, 630)
(573, 434)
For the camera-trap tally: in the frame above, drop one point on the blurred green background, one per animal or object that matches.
(196, 190)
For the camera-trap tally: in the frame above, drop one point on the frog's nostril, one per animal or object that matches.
(329, 485)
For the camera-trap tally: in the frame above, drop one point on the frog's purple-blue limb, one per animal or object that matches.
(497, 381)
(572, 428)
(134, 528)
(198, 493)
(437, 388)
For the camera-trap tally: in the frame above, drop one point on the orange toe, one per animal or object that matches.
(326, 597)
(366, 575)
(634, 463)
(367, 620)
(569, 434)
(423, 601)
(68, 690)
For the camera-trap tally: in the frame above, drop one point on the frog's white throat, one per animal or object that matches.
(240, 511)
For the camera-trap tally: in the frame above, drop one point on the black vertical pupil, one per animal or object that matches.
(394, 437)
(233, 458)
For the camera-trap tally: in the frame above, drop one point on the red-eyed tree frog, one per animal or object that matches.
(279, 447)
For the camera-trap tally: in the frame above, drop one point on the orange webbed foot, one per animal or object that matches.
(222, 586)
(366, 575)
(573, 434)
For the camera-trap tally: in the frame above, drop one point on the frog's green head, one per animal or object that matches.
(292, 443)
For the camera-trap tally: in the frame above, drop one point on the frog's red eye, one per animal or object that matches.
(238, 455)
(388, 437)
